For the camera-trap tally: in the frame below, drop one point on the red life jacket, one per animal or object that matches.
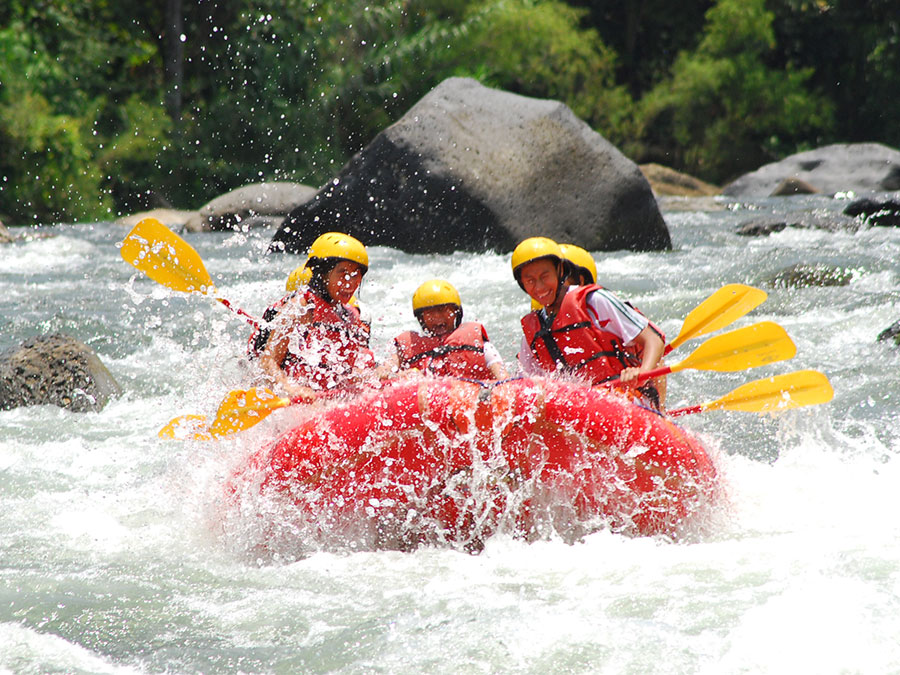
(457, 354)
(324, 353)
(573, 343)
(261, 332)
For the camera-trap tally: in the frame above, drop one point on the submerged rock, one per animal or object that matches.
(256, 205)
(803, 275)
(892, 332)
(809, 220)
(842, 167)
(58, 370)
(472, 168)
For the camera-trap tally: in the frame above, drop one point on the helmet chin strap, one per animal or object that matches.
(561, 284)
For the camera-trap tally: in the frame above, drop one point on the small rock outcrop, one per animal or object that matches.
(472, 168)
(666, 182)
(250, 205)
(842, 167)
(58, 370)
(5, 236)
(172, 218)
(794, 186)
(892, 332)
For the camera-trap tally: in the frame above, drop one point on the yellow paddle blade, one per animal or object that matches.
(725, 306)
(244, 408)
(791, 390)
(166, 258)
(186, 426)
(756, 345)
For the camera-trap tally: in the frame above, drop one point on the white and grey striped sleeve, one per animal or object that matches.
(610, 313)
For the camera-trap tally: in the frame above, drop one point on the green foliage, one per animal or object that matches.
(46, 168)
(724, 110)
(290, 89)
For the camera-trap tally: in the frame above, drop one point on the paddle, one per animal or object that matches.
(239, 410)
(782, 392)
(186, 426)
(755, 345)
(725, 306)
(162, 255)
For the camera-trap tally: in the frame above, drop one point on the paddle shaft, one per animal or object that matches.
(252, 320)
(689, 410)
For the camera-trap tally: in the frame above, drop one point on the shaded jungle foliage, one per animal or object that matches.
(109, 107)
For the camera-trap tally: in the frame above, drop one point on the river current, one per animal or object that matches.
(112, 559)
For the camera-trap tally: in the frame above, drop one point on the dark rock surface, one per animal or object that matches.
(473, 168)
(876, 211)
(58, 370)
(858, 167)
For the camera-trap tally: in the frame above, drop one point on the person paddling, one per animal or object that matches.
(584, 330)
(447, 346)
(317, 342)
(581, 269)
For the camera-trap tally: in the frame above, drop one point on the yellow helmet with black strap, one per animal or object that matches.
(531, 249)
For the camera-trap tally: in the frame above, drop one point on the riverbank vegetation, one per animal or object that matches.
(113, 106)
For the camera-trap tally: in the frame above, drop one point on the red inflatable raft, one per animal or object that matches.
(444, 460)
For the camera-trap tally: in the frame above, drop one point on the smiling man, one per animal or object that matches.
(584, 331)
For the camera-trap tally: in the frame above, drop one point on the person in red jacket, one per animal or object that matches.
(317, 341)
(447, 346)
(584, 330)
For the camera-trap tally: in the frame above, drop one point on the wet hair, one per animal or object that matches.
(321, 268)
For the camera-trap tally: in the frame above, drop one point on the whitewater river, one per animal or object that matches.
(112, 557)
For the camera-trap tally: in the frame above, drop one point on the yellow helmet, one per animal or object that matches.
(531, 249)
(434, 293)
(337, 245)
(299, 277)
(580, 259)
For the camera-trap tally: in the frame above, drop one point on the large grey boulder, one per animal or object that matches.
(857, 167)
(256, 204)
(57, 370)
(473, 168)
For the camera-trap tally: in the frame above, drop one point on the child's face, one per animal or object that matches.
(540, 280)
(439, 320)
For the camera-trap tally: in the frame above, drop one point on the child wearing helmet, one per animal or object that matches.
(584, 330)
(317, 341)
(447, 346)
